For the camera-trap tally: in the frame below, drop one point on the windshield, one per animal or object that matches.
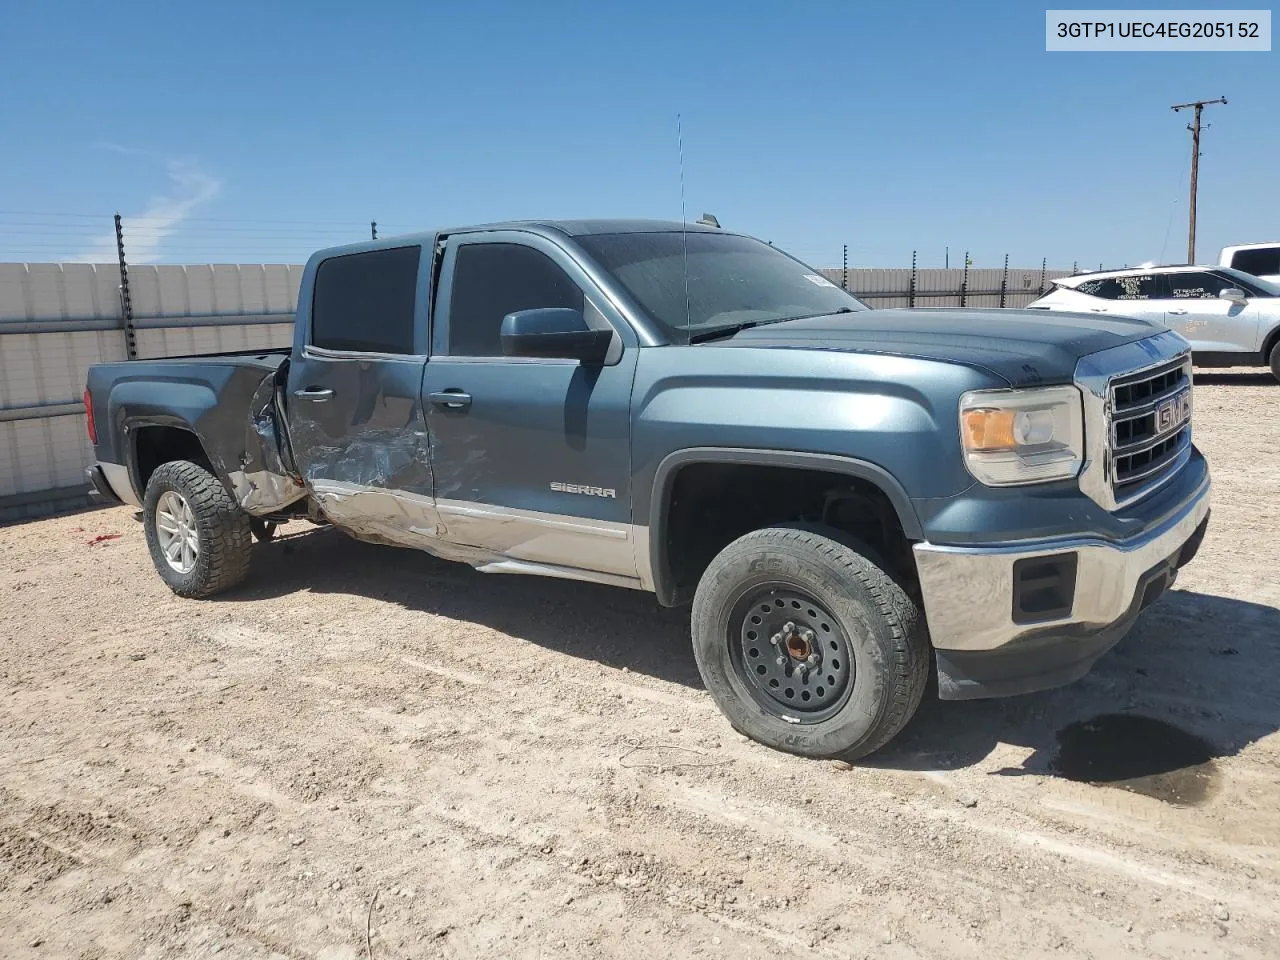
(732, 280)
(1255, 286)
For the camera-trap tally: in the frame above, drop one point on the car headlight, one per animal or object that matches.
(1012, 437)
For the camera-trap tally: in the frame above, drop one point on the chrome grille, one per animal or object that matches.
(1149, 427)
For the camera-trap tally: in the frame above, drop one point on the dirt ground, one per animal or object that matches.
(367, 746)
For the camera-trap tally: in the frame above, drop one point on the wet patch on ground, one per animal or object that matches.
(1139, 754)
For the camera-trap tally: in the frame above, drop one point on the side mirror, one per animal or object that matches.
(553, 332)
(1234, 294)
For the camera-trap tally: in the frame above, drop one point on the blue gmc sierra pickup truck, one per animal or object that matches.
(850, 498)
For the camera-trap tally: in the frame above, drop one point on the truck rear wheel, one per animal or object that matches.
(807, 645)
(198, 536)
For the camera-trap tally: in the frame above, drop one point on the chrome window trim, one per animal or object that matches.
(1094, 374)
(311, 352)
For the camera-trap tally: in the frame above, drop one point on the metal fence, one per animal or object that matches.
(58, 318)
(937, 287)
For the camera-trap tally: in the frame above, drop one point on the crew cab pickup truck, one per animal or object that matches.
(850, 498)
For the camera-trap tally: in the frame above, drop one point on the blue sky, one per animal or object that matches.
(252, 131)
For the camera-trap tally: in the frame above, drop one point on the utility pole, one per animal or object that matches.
(1194, 127)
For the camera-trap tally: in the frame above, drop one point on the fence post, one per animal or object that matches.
(844, 271)
(126, 304)
(964, 282)
(1044, 262)
(911, 291)
(373, 228)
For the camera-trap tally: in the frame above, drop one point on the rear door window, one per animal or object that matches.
(364, 301)
(1144, 286)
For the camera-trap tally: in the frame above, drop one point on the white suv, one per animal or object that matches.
(1230, 318)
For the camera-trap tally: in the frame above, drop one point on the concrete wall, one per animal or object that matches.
(57, 319)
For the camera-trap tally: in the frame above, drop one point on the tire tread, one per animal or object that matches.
(226, 550)
(909, 646)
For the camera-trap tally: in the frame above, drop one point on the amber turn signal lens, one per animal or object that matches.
(988, 429)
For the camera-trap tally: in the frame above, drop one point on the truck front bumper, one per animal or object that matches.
(1014, 618)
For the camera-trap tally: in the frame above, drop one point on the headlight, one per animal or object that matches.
(1022, 436)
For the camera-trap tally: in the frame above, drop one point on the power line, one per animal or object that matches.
(107, 217)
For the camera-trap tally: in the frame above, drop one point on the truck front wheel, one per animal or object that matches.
(807, 645)
(198, 536)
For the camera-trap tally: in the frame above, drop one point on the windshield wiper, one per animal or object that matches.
(733, 328)
(726, 331)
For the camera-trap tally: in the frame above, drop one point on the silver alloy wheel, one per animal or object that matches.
(176, 531)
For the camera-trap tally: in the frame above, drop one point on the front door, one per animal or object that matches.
(531, 455)
(1211, 324)
(355, 417)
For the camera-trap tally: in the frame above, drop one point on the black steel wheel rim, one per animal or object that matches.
(791, 653)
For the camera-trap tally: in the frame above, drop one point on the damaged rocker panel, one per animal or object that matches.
(490, 538)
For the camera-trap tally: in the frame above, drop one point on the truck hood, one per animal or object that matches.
(1023, 347)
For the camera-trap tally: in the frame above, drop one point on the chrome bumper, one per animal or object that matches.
(968, 591)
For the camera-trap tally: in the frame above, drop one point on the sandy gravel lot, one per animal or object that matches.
(368, 745)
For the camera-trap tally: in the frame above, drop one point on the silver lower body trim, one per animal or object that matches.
(968, 591)
(118, 476)
(563, 573)
(491, 538)
(581, 543)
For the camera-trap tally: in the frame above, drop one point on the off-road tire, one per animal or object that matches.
(884, 630)
(1275, 361)
(222, 530)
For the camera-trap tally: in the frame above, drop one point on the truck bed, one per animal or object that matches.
(226, 400)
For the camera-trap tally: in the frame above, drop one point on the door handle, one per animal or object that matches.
(1177, 313)
(452, 399)
(316, 394)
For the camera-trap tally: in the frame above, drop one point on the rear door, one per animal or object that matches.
(1211, 324)
(355, 417)
(532, 456)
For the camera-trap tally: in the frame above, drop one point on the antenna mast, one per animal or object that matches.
(684, 220)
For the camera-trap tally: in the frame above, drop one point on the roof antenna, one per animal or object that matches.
(684, 222)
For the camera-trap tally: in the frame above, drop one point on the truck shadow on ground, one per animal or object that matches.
(1194, 681)
(1201, 665)
(613, 626)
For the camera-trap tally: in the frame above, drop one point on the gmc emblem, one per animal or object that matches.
(1173, 412)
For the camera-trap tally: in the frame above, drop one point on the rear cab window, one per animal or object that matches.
(1260, 261)
(364, 302)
